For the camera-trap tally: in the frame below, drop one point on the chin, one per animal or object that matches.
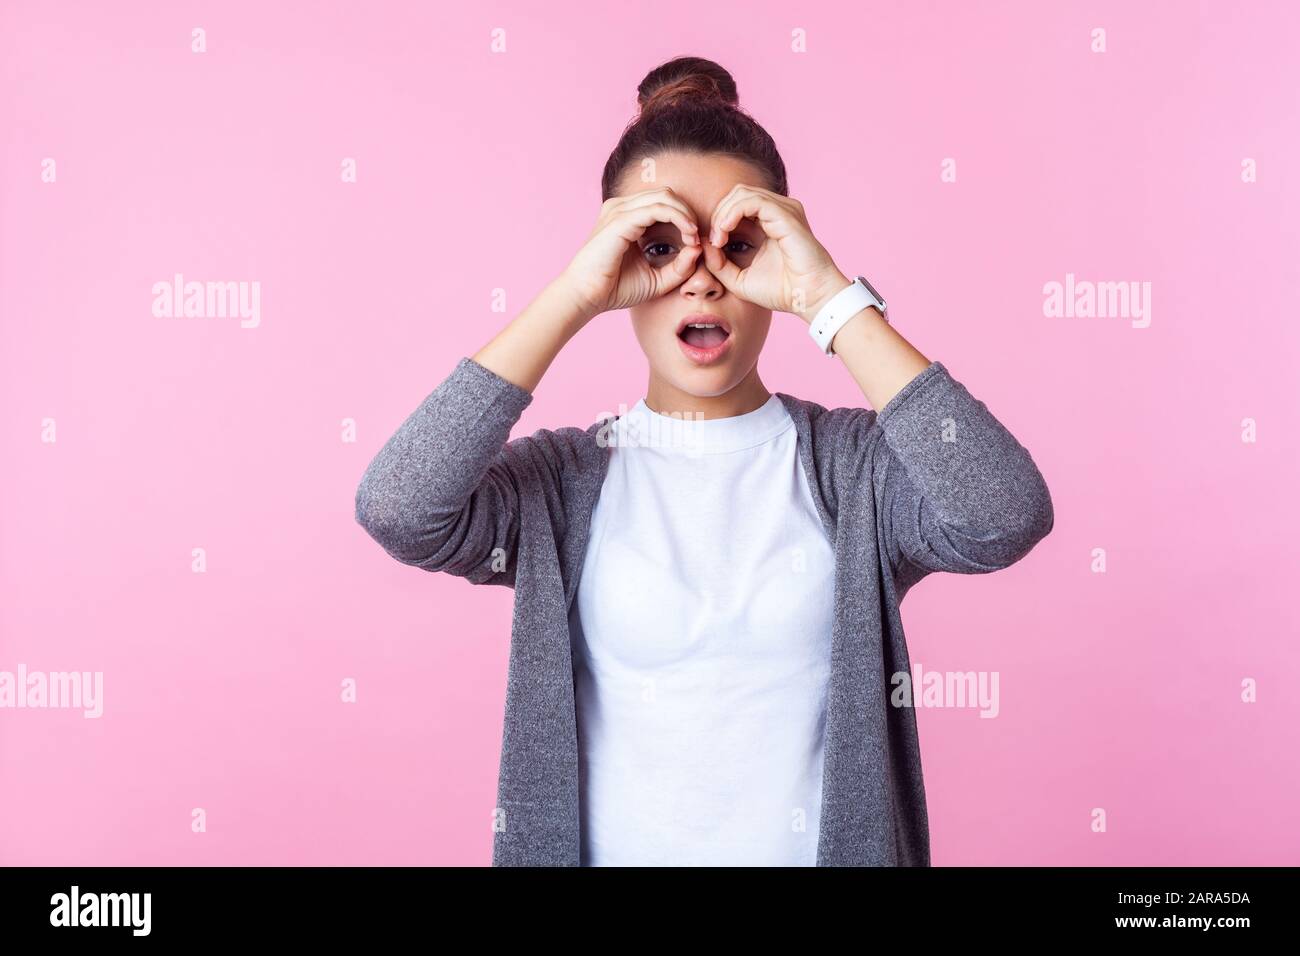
(707, 382)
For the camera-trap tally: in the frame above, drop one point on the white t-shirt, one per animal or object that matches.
(702, 646)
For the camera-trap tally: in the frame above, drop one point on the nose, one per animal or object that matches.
(702, 284)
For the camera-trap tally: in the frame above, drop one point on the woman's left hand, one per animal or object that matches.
(791, 272)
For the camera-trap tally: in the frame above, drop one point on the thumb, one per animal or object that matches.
(680, 269)
(716, 261)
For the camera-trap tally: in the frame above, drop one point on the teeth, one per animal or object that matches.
(701, 325)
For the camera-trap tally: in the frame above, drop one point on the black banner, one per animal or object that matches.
(335, 905)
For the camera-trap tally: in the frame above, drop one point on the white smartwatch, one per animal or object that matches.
(843, 306)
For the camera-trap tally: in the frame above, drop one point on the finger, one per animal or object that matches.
(730, 216)
(773, 215)
(663, 196)
(727, 272)
(677, 271)
(633, 222)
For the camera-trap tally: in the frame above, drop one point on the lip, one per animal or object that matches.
(704, 356)
(703, 317)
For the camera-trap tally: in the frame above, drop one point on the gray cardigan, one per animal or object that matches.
(932, 483)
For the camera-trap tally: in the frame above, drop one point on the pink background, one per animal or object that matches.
(479, 171)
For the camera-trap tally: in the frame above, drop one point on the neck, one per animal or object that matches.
(747, 395)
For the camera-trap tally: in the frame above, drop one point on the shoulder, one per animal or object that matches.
(567, 452)
(569, 448)
(838, 448)
(831, 431)
(848, 427)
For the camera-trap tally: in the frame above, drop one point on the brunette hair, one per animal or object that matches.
(690, 105)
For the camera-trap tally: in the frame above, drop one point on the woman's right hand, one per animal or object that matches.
(611, 271)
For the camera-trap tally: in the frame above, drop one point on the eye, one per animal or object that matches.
(667, 249)
(740, 252)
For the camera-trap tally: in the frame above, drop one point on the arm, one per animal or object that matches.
(442, 494)
(959, 492)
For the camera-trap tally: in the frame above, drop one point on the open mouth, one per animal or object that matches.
(704, 332)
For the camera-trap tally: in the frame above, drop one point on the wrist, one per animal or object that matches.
(568, 305)
(824, 290)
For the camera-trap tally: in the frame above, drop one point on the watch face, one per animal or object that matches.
(871, 289)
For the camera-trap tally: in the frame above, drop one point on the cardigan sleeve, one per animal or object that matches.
(443, 493)
(959, 493)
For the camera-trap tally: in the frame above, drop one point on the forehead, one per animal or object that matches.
(699, 180)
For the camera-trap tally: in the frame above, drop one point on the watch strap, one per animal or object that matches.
(841, 307)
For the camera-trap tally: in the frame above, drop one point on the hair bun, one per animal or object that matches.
(684, 79)
(689, 105)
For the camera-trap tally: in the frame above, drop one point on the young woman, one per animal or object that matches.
(707, 662)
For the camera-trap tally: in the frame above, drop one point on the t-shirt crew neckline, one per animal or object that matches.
(646, 428)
